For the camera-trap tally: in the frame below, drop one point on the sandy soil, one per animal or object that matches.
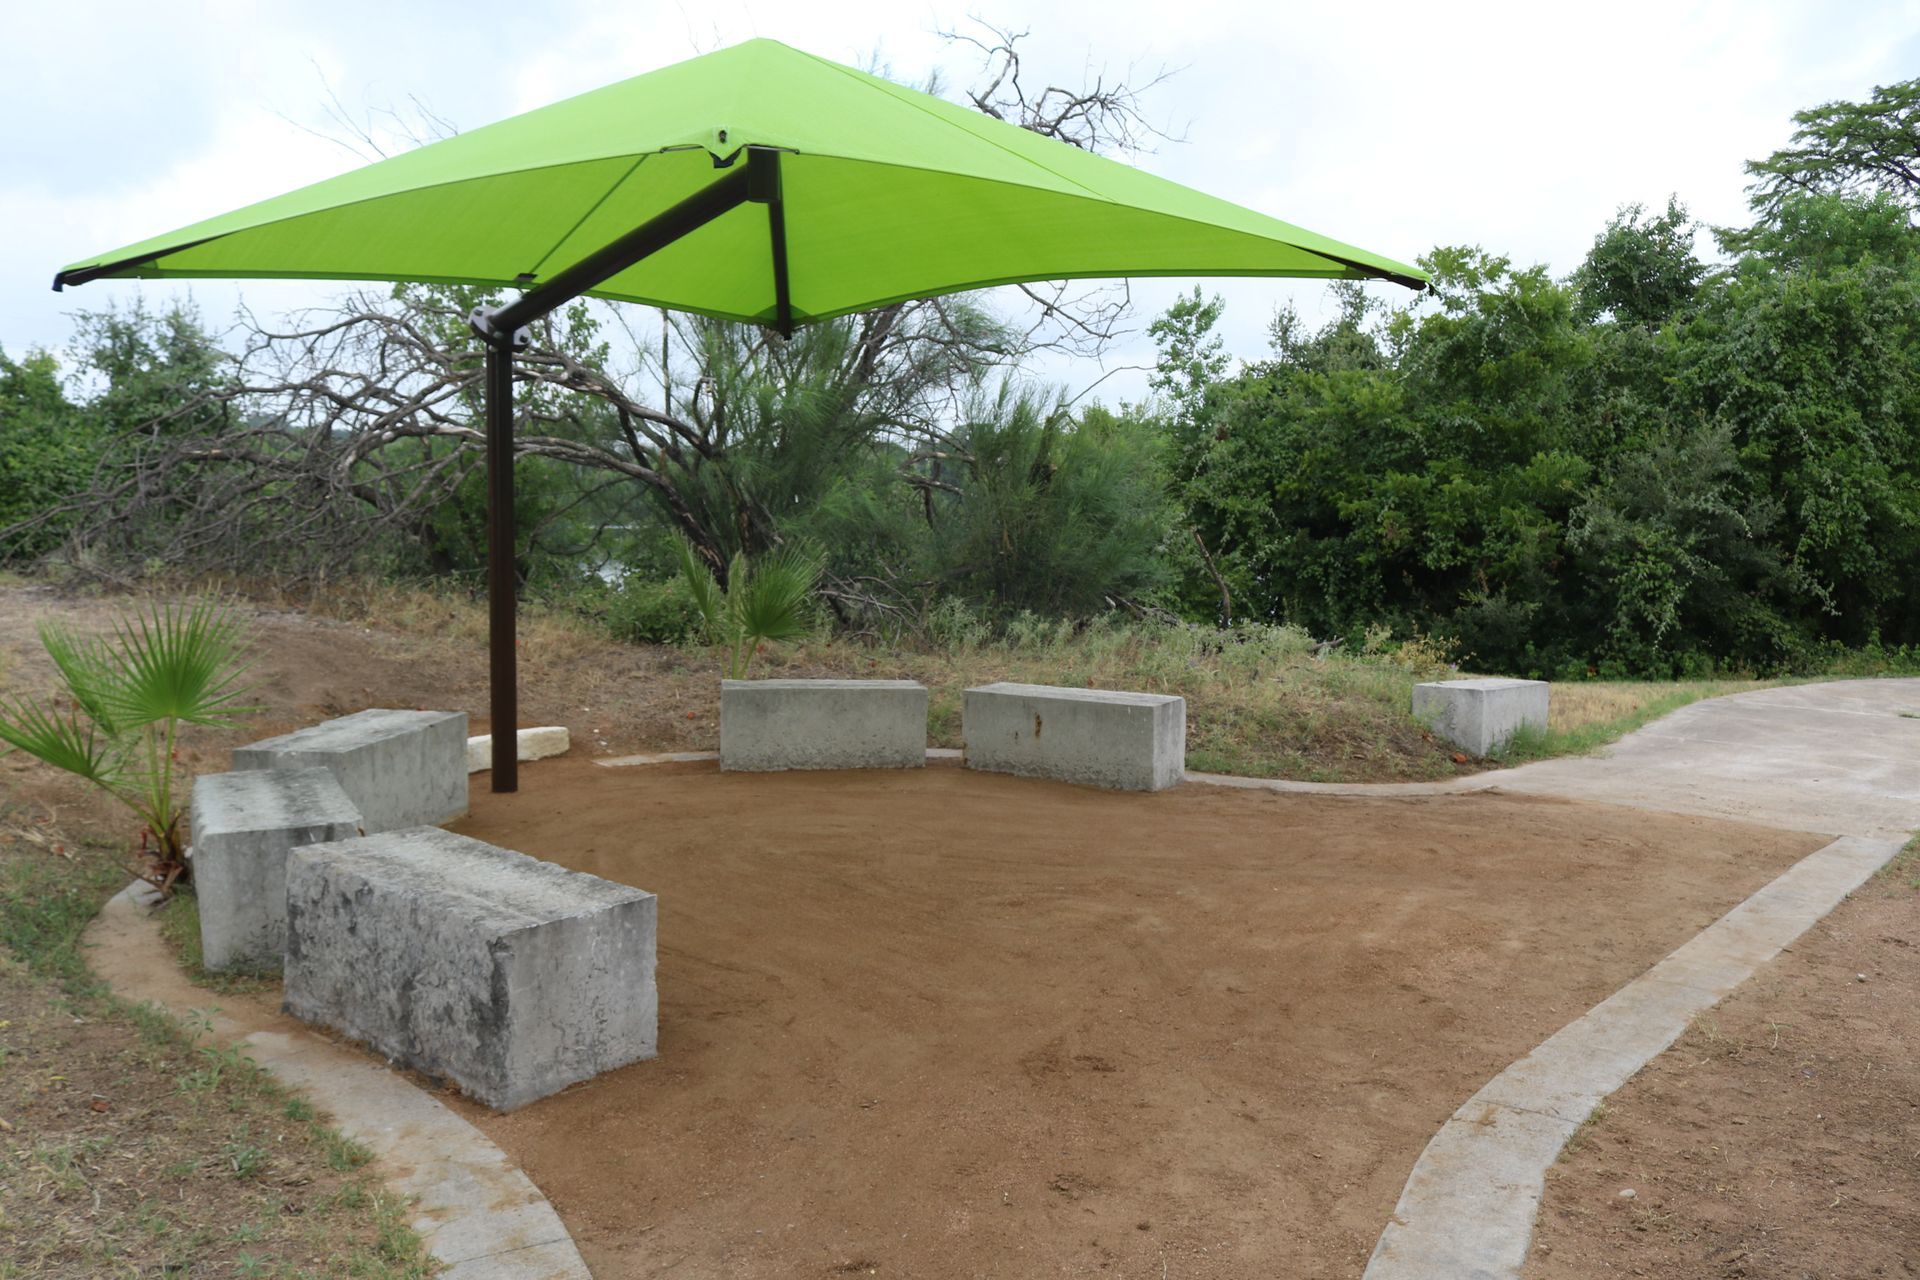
(1780, 1138)
(939, 1023)
(945, 1024)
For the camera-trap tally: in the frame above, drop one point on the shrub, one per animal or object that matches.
(653, 611)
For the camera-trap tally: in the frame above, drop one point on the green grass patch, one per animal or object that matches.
(45, 905)
(180, 928)
(1904, 866)
(196, 1110)
(1587, 716)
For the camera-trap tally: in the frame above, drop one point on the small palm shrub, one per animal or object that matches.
(116, 721)
(765, 600)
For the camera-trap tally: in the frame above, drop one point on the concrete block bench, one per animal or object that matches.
(768, 725)
(1103, 738)
(510, 976)
(244, 825)
(1480, 715)
(400, 768)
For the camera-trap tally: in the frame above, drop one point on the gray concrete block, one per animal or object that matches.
(511, 976)
(1480, 715)
(768, 725)
(401, 768)
(1100, 737)
(243, 826)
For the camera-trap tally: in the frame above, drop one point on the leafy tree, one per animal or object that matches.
(154, 371)
(1192, 356)
(1684, 562)
(48, 450)
(1641, 270)
(1847, 148)
(1824, 232)
(1040, 512)
(1817, 377)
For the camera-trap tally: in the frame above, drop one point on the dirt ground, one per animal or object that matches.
(944, 1024)
(939, 1023)
(305, 668)
(1780, 1138)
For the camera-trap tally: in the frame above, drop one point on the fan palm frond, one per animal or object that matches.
(69, 741)
(771, 603)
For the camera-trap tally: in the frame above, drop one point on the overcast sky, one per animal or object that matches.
(1396, 127)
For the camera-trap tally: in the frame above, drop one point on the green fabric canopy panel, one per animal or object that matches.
(888, 194)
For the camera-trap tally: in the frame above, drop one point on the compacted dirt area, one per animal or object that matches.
(946, 1024)
(1779, 1139)
(940, 1023)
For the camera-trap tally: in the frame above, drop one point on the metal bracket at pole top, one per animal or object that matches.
(480, 320)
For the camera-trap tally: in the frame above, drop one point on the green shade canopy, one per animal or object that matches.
(888, 194)
(758, 183)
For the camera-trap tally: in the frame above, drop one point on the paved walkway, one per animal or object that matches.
(1838, 759)
(1841, 759)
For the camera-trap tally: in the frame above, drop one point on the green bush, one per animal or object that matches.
(653, 611)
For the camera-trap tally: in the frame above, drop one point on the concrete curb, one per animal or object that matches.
(658, 757)
(478, 1213)
(1454, 787)
(1468, 1209)
(1388, 790)
(692, 757)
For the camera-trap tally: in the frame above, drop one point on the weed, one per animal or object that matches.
(219, 1063)
(67, 1209)
(342, 1152)
(242, 1158)
(45, 905)
(1583, 1136)
(1904, 865)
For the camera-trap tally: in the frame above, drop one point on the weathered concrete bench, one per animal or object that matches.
(1481, 715)
(244, 825)
(1103, 738)
(769, 725)
(400, 768)
(510, 976)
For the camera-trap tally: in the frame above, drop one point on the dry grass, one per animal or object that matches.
(1579, 708)
(1584, 717)
(1264, 702)
(129, 1145)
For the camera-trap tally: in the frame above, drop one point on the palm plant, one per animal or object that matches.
(762, 601)
(117, 720)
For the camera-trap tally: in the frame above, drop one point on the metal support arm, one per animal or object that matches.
(503, 330)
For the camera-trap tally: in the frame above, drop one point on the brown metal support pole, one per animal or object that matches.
(502, 330)
(502, 581)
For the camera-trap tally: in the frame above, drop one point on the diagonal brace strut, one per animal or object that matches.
(501, 329)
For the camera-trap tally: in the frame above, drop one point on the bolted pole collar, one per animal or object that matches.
(481, 321)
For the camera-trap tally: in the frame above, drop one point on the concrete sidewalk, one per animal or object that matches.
(1840, 759)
